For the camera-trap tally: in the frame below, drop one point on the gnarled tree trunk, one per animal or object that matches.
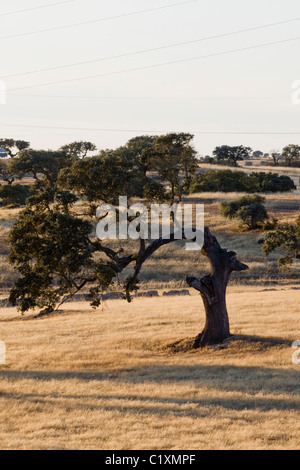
(213, 290)
(212, 287)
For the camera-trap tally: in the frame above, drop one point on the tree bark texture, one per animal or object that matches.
(213, 288)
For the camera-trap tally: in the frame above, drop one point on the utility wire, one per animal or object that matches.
(139, 98)
(108, 18)
(163, 64)
(36, 8)
(152, 49)
(28, 126)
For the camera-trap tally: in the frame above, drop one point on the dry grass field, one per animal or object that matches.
(124, 377)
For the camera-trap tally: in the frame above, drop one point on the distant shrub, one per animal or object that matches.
(250, 210)
(209, 160)
(229, 163)
(272, 183)
(239, 181)
(14, 195)
(219, 180)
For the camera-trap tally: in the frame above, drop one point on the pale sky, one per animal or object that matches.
(248, 91)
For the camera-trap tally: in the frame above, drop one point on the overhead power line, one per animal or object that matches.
(97, 129)
(49, 5)
(147, 67)
(83, 23)
(102, 59)
(145, 98)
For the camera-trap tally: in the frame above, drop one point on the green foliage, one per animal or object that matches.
(139, 149)
(250, 210)
(226, 154)
(40, 163)
(5, 172)
(102, 178)
(53, 253)
(258, 154)
(131, 285)
(78, 149)
(286, 239)
(291, 153)
(14, 195)
(52, 246)
(239, 181)
(219, 180)
(155, 192)
(13, 147)
(173, 154)
(272, 183)
(123, 171)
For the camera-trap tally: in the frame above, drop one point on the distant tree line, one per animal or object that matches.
(155, 167)
(230, 156)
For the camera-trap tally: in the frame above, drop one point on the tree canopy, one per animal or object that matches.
(229, 154)
(53, 243)
(78, 149)
(285, 239)
(291, 153)
(250, 210)
(13, 147)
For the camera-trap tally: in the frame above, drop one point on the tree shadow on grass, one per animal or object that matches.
(155, 405)
(239, 342)
(227, 378)
(251, 382)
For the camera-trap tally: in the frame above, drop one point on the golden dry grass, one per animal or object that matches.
(110, 379)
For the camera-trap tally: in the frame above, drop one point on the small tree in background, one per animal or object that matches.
(250, 210)
(40, 164)
(13, 147)
(286, 239)
(226, 154)
(276, 156)
(291, 153)
(78, 149)
(258, 154)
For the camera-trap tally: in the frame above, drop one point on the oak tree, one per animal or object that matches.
(232, 155)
